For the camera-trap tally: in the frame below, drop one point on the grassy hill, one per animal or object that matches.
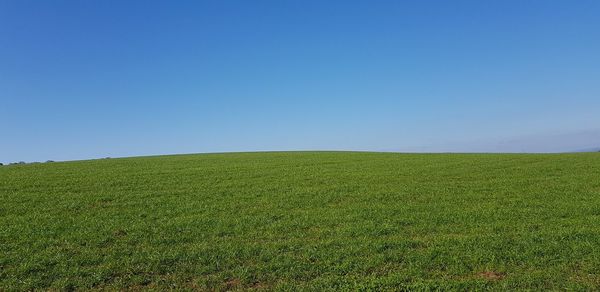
(303, 220)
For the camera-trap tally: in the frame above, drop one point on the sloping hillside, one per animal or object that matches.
(303, 220)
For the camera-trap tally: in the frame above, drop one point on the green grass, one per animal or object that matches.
(303, 220)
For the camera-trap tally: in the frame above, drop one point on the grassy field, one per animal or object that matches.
(303, 220)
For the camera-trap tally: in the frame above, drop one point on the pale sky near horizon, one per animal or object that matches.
(90, 79)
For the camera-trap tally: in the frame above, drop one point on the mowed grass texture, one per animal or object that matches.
(303, 221)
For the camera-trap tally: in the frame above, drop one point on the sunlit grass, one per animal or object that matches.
(303, 220)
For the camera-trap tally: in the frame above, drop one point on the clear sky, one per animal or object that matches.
(89, 79)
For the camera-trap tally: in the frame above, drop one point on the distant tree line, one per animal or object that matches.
(23, 162)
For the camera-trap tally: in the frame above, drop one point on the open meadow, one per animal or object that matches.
(303, 221)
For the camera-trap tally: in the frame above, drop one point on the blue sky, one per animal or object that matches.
(89, 79)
